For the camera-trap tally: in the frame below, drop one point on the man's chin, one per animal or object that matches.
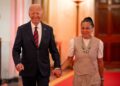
(36, 23)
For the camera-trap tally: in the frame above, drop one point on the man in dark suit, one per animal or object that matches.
(31, 49)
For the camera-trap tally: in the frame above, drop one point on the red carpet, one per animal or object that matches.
(111, 79)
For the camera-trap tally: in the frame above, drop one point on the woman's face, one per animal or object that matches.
(86, 30)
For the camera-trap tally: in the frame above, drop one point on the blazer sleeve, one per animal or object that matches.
(17, 47)
(54, 51)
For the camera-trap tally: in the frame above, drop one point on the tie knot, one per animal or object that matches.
(36, 28)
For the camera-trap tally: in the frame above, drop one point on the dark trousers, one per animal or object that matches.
(37, 80)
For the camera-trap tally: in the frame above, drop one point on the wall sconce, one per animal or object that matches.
(77, 2)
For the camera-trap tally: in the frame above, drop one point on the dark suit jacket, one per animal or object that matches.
(33, 58)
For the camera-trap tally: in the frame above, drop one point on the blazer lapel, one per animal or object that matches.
(43, 34)
(30, 32)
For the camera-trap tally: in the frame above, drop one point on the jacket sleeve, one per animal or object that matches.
(17, 47)
(54, 51)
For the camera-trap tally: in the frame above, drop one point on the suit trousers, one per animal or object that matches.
(37, 80)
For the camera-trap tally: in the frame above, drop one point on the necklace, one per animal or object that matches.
(87, 48)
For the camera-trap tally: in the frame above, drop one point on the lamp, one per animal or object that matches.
(77, 2)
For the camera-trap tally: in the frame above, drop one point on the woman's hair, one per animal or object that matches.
(88, 19)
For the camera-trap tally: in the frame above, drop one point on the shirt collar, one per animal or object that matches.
(33, 26)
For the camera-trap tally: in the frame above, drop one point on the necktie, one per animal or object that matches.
(36, 37)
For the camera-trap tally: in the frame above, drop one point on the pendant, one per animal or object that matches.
(86, 51)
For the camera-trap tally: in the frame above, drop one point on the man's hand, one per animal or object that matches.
(19, 67)
(57, 72)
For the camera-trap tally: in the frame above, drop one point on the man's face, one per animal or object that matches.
(86, 29)
(35, 13)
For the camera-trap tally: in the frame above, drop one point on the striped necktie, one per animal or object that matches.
(36, 37)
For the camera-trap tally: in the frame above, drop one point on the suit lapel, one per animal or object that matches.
(29, 30)
(43, 34)
(31, 34)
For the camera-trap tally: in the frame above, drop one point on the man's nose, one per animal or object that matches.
(35, 14)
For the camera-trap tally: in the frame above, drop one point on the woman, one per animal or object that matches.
(88, 52)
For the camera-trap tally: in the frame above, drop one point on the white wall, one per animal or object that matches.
(62, 18)
(27, 4)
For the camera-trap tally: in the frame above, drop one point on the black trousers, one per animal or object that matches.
(37, 80)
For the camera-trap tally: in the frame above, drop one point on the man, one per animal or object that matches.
(31, 49)
(88, 51)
